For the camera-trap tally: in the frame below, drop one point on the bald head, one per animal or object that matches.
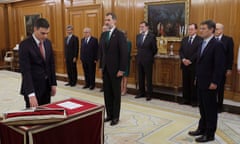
(87, 32)
(219, 29)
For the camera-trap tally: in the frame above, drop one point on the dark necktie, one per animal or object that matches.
(42, 51)
(141, 38)
(217, 38)
(190, 40)
(107, 36)
(86, 40)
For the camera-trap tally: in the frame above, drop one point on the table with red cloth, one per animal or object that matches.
(83, 125)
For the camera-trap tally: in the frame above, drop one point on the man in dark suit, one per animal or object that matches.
(89, 56)
(147, 48)
(113, 64)
(71, 48)
(37, 66)
(228, 49)
(188, 55)
(209, 71)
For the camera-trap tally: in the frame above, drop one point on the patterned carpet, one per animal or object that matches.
(141, 122)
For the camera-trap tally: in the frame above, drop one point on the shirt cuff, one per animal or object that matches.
(31, 95)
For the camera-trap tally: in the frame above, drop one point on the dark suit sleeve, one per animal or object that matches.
(219, 60)
(123, 49)
(100, 45)
(95, 48)
(181, 49)
(25, 67)
(154, 45)
(76, 46)
(52, 67)
(229, 60)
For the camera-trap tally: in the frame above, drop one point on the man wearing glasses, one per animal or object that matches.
(37, 66)
(88, 56)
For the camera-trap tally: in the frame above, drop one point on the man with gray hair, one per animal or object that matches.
(228, 50)
(71, 48)
(89, 57)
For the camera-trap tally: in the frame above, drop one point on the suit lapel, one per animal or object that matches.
(46, 50)
(113, 34)
(206, 48)
(145, 39)
(36, 48)
(111, 40)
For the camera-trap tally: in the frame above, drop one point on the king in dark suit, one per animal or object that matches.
(89, 57)
(147, 48)
(188, 55)
(209, 71)
(37, 66)
(228, 49)
(71, 49)
(113, 64)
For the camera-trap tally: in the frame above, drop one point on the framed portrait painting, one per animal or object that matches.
(168, 19)
(29, 21)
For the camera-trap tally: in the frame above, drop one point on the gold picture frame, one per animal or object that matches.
(29, 21)
(168, 19)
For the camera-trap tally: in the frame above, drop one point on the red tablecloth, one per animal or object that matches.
(83, 125)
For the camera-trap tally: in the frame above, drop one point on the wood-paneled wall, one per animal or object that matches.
(90, 13)
(3, 30)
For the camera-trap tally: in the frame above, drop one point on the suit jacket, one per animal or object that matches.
(35, 70)
(210, 64)
(100, 47)
(228, 48)
(114, 52)
(189, 51)
(72, 48)
(89, 51)
(147, 49)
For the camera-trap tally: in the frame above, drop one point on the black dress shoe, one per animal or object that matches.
(84, 87)
(196, 132)
(72, 85)
(91, 87)
(67, 84)
(204, 138)
(194, 104)
(107, 119)
(148, 98)
(220, 110)
(184, 102)
(139, 96)
(114, 122)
